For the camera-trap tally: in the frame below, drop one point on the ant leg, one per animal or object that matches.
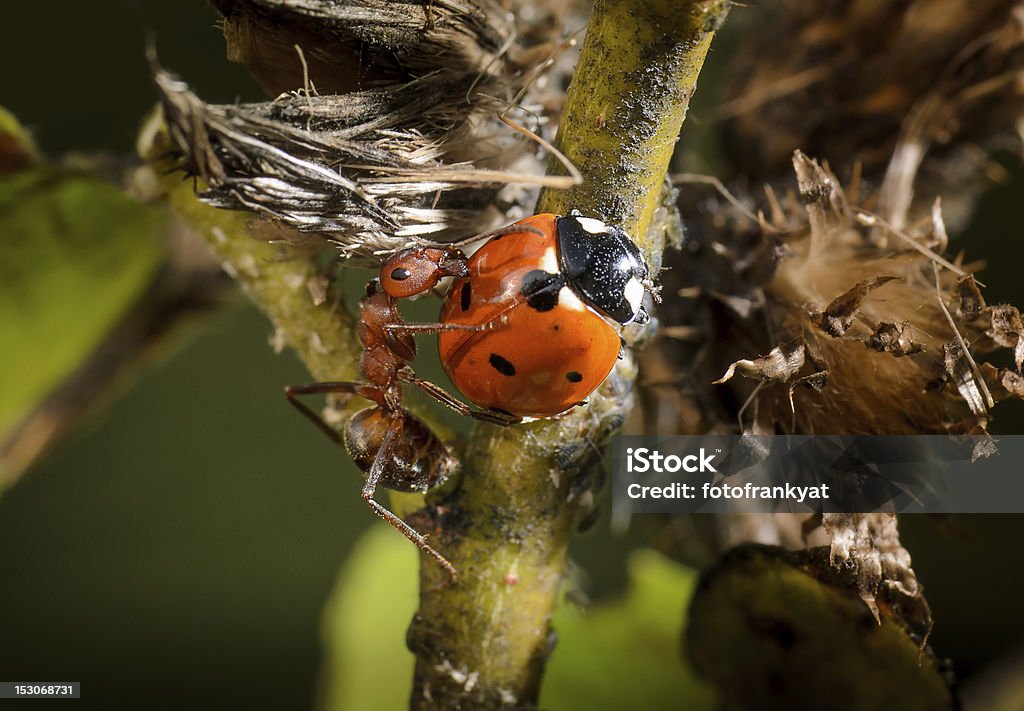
(370, 487)
(293, 391)
(402, 327)
(506, 230)
(446, 398)
(393, 328)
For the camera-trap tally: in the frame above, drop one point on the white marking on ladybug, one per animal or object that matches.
(568, 300)
(634, 294)
(594, 227)
(549, 262)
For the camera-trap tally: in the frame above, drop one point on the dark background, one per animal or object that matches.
(179, 547)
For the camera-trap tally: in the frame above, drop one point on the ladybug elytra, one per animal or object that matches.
(556, 286)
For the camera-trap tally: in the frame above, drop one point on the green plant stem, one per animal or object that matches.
(627, 102)
(483, 642)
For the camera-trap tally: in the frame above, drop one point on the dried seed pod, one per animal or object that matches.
(420, 155)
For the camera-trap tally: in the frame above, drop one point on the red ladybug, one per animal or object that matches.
(546, 301)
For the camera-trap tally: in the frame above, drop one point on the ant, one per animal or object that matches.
(396, 449)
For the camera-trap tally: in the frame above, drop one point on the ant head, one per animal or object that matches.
(417, 270)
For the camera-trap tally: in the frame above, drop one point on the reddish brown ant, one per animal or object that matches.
(396, 449)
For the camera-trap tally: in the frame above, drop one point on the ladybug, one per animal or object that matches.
(532, 328)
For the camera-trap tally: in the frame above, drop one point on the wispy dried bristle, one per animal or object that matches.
(335, 165)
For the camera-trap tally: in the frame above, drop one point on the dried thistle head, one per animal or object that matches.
(918, 93)
(827, 295)
(849, 325)
(825, 318)
(419, 155)
(828, 306)
(885, 320)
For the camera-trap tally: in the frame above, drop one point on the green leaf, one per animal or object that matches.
(17, 151)
(625, 654)
(76, 254)
(621, 654)
(366, 663)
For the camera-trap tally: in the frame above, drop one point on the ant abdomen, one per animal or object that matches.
(416, 459)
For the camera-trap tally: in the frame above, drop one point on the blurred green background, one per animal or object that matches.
(178, 550)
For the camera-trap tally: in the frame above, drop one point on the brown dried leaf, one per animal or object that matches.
(871, 544)
(1008, 330)
(892, 338)
(1013, 382)
(972, 303)
(837, 318)
(1003, 382)
(818, 191)
(781, 364)
(958, 371)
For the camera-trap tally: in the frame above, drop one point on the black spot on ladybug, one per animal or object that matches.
(541, 289)
(400, 274)
(573, 377)
(544, 301)
(465, 296)
(501, 365)
(556, 327)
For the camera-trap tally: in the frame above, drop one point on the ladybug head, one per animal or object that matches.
(603, 265)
